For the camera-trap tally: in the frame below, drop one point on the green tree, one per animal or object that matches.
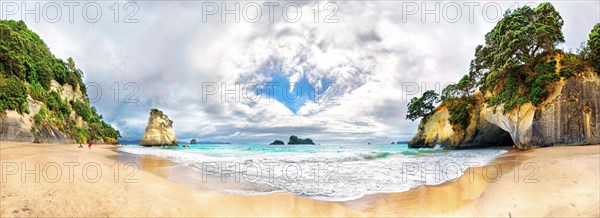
(465, 85)
(459, 100)
(423, 106)
(594, 47)
(519, 42)
(450, 92)
(517, 39)
(463, 88)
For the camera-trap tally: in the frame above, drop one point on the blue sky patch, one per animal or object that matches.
(280, 89)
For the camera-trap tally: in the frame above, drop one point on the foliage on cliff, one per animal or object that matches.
(13, 94)
(27, 67)
(594, 47)
(459, 100)
(513, 62)
(516, 65)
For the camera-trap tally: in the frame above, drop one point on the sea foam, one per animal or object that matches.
(326, 172)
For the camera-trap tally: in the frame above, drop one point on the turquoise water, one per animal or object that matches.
(324, 172)
(240, 150)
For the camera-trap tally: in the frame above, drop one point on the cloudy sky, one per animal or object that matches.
(337, 72)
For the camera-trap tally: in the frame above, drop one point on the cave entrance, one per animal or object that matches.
(489, 136)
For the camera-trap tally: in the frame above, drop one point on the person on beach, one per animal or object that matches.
(90, 144)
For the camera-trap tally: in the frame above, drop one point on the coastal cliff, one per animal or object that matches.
(159, 131)
(43, 99)
(520, 86)
(437, 129)
(23, 127)
(569, 116)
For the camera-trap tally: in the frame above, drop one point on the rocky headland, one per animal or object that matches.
(570, 115)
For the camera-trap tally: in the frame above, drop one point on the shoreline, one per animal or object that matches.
(189, 177)
(157, 186)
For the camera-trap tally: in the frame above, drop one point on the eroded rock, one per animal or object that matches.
(159, 130)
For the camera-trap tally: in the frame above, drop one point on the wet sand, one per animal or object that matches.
(565, 184)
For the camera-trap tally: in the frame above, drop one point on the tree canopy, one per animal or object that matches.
(594, 47)
(514, 63)
(517, 44)
(423, 106)
(463, 88)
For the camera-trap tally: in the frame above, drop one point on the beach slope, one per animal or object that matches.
(565, 183)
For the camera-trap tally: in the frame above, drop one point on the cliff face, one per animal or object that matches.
(569, 116)
(43, 98)
(436, 129)
(22, 128)
(159, 130)
(572, 118)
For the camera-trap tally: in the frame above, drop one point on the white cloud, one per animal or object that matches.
(367, 55)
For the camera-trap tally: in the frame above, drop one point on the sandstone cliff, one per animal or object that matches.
(22, 128)
(569, 116)
(43, 98)
(436, 129)
(159, 130)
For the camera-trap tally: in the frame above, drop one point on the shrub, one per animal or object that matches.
(82, 135)
(460, 111)
(13, 95)
(37, 92)
(81, 109)
(40, 116)
(566, 72)
(546, 74)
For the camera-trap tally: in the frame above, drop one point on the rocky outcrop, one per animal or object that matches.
(21, 127)
(15, 127)
(66, 91)
(437, 130)
(569, 116)
(573, 117)
(277, 142)
(159, 130)
(294, 140)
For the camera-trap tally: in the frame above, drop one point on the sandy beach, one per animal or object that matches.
(555, 181)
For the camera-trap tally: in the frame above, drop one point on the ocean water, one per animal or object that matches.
(323, 172)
